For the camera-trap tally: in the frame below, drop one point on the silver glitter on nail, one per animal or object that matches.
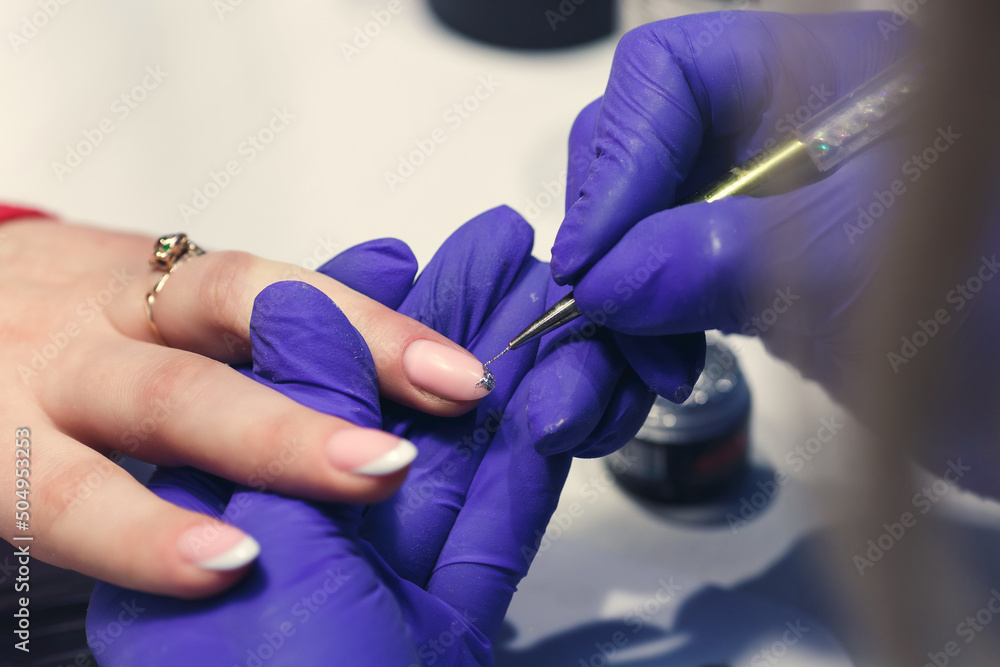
(488, 381)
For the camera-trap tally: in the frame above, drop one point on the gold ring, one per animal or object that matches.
(169, 252)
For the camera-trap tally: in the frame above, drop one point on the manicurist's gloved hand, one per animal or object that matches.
(687, 99)
(426, 577)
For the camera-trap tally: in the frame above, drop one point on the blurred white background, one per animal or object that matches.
(320, 185)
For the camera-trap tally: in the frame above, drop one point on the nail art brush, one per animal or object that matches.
(844, 128)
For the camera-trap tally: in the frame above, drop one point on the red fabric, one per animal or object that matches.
(14, 212)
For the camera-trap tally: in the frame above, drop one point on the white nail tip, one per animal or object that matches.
(243, 552)
(392, 461)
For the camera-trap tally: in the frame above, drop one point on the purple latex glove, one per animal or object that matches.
(425, 578)
(681, 108)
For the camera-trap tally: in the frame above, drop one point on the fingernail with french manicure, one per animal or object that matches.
(444, 371)
(369, 452)
(218, 547)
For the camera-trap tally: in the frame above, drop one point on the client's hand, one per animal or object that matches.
(426, 577)
(81, 379)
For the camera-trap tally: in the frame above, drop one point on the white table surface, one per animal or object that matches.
(320, 187)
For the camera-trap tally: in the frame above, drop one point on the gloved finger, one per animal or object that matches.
(360, 623)
(586, 401)
(382, 269)
(669, 365)
(624, 415)
(569, 389)
(682, 270)
(446, 636)
(484, 270)
(470, 274)
(305, 348)
(410, 528)
(725, 265)
(497, 533)
(574, 378)
(582, 150)
(577, 373)
(666, 93)
(312, 599)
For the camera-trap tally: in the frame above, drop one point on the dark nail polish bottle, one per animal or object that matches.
(529, 24)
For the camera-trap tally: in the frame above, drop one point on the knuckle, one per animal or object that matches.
(286, 429)
(636, 38)
(166, 387)
(63, 487)
(224, 287)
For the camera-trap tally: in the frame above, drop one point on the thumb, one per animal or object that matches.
(682, 270)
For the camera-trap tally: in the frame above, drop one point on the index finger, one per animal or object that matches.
(672, 94)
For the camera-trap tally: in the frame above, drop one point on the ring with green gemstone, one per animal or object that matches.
(169, 252)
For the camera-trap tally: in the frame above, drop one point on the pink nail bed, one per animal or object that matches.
(217, 546)
(445, 371)
(369, 452)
